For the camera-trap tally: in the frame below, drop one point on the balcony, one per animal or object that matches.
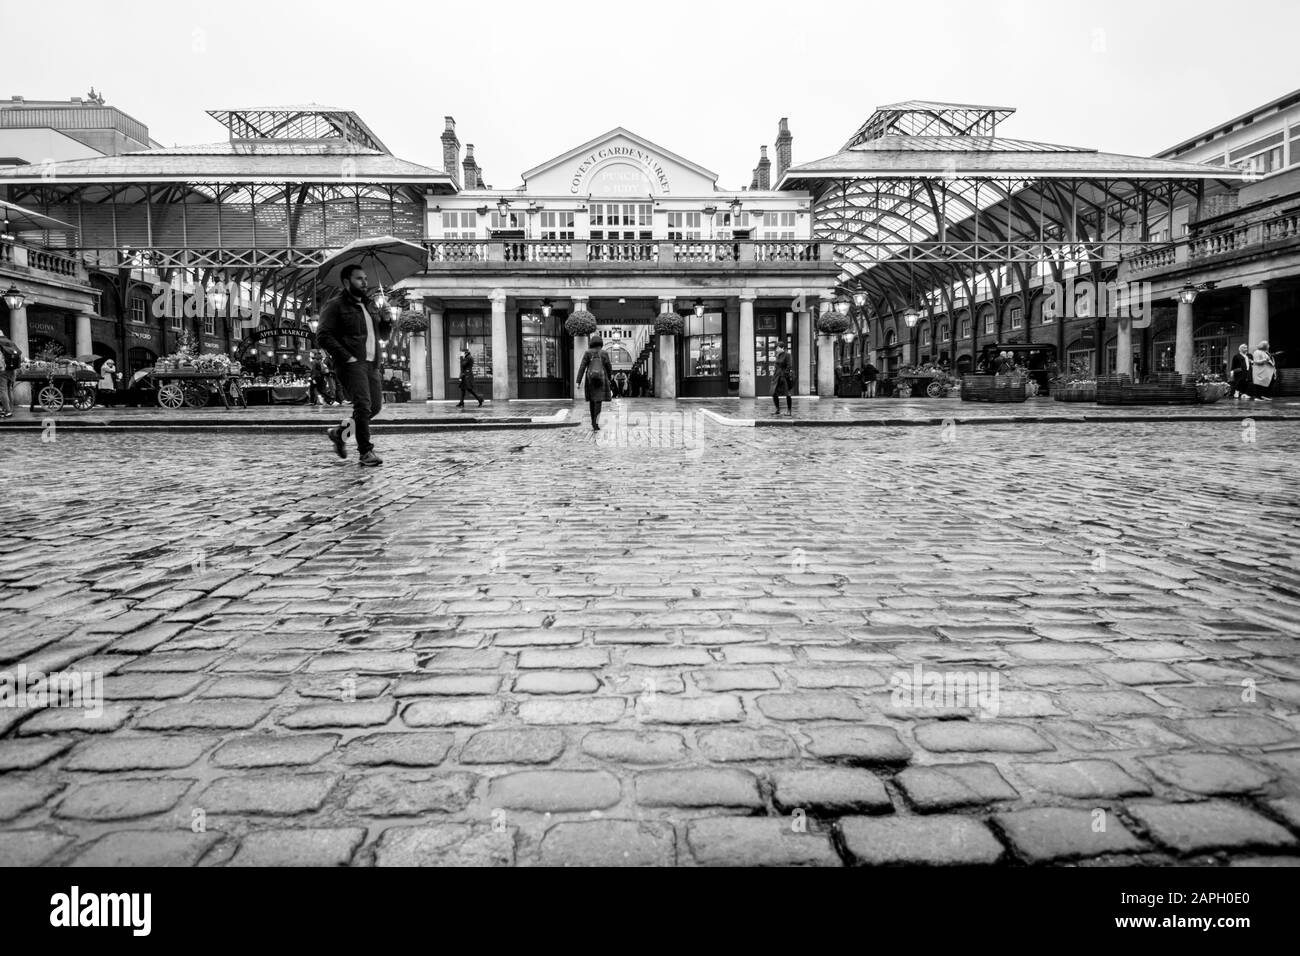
(36, 264)
(1223, 246)
(640, 254)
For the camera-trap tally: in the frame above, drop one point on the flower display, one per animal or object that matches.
(668, 323)
(581, 322)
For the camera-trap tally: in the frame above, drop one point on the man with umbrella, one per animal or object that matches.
(350, 330)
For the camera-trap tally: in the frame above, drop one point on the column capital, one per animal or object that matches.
(498, 296)
(1259, 284)
(748, 295)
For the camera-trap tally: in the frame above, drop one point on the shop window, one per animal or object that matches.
(684, 225)
(704, 345)
(557, 225)
(1080, 358)
(542, 345)
(474, 330)
(460, 224)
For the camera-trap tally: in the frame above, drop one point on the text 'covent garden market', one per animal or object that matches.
(935, 236)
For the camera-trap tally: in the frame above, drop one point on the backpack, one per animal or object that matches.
(13, 357)
(596, 374)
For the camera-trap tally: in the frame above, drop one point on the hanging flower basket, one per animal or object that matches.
(832, 323)
(413, 323)
(581, 322)
(669, 323)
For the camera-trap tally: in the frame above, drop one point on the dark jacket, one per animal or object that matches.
(466, 366)
(342, 330)
(597, 355)
(1241, 368)
(869, 372)
(782, 373)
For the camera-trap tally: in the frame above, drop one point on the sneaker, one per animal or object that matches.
(370, 460)
(336, 436)
(480, 403)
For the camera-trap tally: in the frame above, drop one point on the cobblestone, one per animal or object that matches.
(357, 642)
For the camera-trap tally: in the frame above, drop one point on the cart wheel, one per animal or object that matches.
(195, 396)
(171, 396)
(84, 398)
(934, 390)
(50, 398)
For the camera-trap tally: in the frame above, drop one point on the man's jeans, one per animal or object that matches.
(365, 385)
(7, 391)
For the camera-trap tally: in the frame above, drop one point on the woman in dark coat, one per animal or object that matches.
(1241, 369)
(596, 365)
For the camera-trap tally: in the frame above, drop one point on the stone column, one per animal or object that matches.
(418, 356)
(825, 366)
(803, 326)
(748, 382)
(666, 367)
(1258, 328)
(580, 345)
(500, 347)
(1182, 340)
(1124, 344)
(82, 340)
(437, 348)
(18, 332)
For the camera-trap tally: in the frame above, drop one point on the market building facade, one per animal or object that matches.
(626, 230)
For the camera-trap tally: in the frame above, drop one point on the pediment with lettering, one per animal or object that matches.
(620, 164)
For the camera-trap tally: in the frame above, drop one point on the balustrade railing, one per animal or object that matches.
(1240, 238)
(627, 250)
(544, 251)
(697, 251)
(458, 250)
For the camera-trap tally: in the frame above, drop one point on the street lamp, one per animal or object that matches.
(393, 312)
(1188, 294)
(503, 207)
(217, 297)
(313, 323)
(735, 211)
(14, 298)
(699, 308)
(860, 300)
(546, 308)
(911, 316)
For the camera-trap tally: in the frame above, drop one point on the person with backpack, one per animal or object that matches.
(599, 373)
(782, 379)
(11, 359)
(467, 377)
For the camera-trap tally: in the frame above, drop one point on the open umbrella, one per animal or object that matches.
(386, 259)
(88, 359)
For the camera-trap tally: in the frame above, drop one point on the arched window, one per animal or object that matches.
(891, 338)
(925, 334)
(1214, 344)
(1080, 357)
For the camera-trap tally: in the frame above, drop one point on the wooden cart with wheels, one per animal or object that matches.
(192, 389)
(52, 391)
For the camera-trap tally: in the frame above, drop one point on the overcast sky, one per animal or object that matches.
(705, 79)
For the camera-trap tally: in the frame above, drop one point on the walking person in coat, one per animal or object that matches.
(467, 377)
(350, 333)
(782, 379)
(1242, 386)
(107, 391)
(1265, 370)
(11, 360)
(599, 374)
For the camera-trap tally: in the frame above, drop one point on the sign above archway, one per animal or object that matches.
(618, 164)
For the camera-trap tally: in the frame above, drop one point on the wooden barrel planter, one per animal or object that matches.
(1075, 393)
(993, 388)
(1169, 388)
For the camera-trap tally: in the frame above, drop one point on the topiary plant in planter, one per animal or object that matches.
(668, 323)
(581, 322)
(832, 323)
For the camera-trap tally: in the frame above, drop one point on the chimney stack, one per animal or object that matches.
(764, 171)
(783, 150)
(471, 168)
(451, 151)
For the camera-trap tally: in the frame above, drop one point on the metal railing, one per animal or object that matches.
(650, 251)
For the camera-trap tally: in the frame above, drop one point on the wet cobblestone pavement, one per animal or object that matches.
(1015, 644)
